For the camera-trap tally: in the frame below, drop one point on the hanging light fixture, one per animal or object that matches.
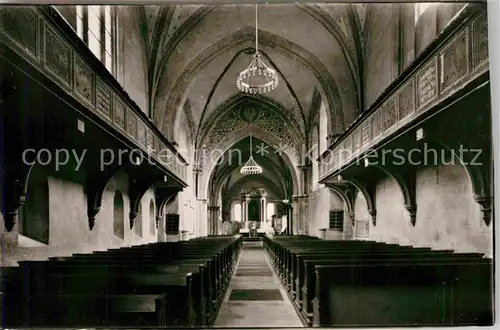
(251, 167)
(257, 77)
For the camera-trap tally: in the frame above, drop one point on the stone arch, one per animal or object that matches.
(479, 175)
(369, 195)
(347, 196)
(218, 181)
(152, 217)
(272, 185)
(186, 129)
(34, 214)
(238, 41)
(289, 157)
(407, 186)
(244, 103)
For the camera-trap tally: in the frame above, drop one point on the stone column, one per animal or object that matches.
(160, 225)
(244, 211)
(197, 169)
(210, 213)
(301, 201)
(201, 222)
(213, 219)
(300, 214)
(263, 206)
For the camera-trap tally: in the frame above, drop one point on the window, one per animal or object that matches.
(420, 8)
(172, 224)
(336, 221)
(152, 218)
(237, 212)
(118, 216)
(97, 27)
(94, 30)
(79, 21)
(108, 38)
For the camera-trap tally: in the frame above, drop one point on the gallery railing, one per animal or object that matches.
(459, 57)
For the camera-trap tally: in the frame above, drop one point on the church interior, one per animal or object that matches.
(246, 165)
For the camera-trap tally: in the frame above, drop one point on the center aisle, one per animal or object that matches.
(255, 297)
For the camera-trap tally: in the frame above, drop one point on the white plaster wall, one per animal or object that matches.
(447, 215)
(69, 230)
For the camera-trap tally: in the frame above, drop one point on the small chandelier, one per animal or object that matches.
(251, 167)
(257, 77)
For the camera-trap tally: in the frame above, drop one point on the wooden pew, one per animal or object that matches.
(157, 284)
(296, 261)
(306, 289)
(184, 285)
(11, 299)
(404, 293)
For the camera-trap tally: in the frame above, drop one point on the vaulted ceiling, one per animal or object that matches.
(197, 51)
(276, 177)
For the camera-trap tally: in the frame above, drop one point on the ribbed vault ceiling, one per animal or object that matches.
(197, 51)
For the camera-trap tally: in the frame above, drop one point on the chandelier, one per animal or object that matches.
(257, 77)
(251, 167)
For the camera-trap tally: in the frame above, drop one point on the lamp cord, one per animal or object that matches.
(250, 129)
(256, 32)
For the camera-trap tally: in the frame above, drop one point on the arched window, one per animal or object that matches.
(271, 210)
(237, 212)
(420, 8)
(34, 214)
(118, 215)
(152, 218)
(138, 222)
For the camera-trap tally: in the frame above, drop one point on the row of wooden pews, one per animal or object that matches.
(175, 284)
(367, 283)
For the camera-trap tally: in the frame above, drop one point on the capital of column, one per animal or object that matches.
(159, 219)
(213, 207)
(305, 166)
(299, 197)
(202, 200)
(197, 168)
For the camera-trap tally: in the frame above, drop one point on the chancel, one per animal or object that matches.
(246, 165)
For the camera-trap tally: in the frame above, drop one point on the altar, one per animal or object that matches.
(253, 213)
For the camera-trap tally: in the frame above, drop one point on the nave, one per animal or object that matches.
(137, 158)
(255, 296)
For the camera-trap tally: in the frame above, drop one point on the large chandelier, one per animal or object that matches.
(257, 77)
(251, 167)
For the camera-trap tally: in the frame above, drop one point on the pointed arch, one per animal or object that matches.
(237, 41)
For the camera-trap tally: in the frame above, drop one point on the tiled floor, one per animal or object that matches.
(255, 297)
